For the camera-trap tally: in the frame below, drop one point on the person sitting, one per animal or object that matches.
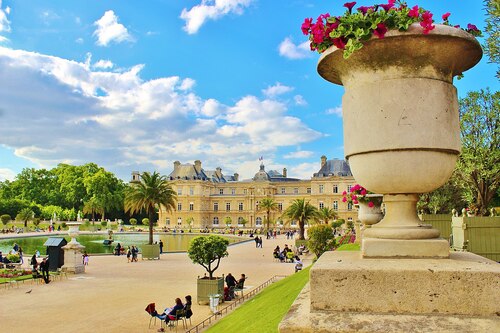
(298, 264)
(170, 313)
(187, 307)
(241, 282)
(231, 284)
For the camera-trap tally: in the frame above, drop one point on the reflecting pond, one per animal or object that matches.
(94, 242)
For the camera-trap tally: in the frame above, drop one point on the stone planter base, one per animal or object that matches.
(350, 294)
(207, 287)
(408, 248)
(73, 258)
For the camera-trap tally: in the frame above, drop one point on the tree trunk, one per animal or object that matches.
(301, 230)
(151, 224)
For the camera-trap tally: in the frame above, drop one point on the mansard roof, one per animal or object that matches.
(334, 167)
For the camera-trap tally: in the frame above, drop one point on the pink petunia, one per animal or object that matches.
(306, 26)
(363, 192)
(371, 204)
(349, 5)
(387, 7)
(472, 27)
(339, 43)
(380, 31)
(344, 193)
(344, 199)
(414, 12)
(445, 16)
(364, 9)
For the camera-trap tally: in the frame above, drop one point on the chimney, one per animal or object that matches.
(197, 166)
(176, 164)
(284, 172)
(218, 172)
(323, 160)
(236, 177)
(136, 177)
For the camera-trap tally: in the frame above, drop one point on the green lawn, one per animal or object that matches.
(349, 247)
(264, 312)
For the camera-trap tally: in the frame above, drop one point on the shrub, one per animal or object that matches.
(145, 221)
(133, 221)
(321, 239)
(104, 223)
(63, 225)
(36, 221)
(5, 218)
(13, 257)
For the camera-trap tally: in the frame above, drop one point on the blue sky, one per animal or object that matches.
(138, 85)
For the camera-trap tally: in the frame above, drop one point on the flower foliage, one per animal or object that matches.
(358, 194)
(347, 32)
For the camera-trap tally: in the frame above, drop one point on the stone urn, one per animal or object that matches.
(370, 214)
(401, 126)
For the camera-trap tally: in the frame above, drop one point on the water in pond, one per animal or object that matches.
(94, 243)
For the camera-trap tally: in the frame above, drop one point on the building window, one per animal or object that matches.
(191, 206)
(256, 205)
(179, 191)
(335, 205)
(295, 190)
(258, 221)
(221, 191)
(283, 190)
(245, 191)
(308, 190)
(321, 188)
(233, 191)
(167, 222)
(228, 206)
(191, 191)
(216, 206)
(179, 221)
(349, 188)
(179, 206)
(294, 223)
(349, 206)
(335, 189)
(240, 206)
(280, 206)
(321, 205)
(216, 220)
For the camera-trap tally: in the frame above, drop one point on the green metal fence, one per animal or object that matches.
(479, 235)
(442, 222)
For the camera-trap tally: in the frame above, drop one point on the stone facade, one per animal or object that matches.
(209, 198)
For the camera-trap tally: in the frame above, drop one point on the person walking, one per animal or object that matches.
(44, 267)
(161, 246)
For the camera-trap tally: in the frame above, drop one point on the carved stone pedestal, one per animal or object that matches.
(73, 258)
(350, 294)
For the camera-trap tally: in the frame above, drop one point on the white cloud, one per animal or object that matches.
(105, 64)
(211, 10)
(299, 100)
(7, 174)
(4, 22)
(109, 30)
(336, 111)
(299, 154)
(79, 40)
(55, 110)
(277, 89)
(303, 170)
(289, 50)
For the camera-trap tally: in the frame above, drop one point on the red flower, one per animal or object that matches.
(380, 31)
(472, 27)
(427, 22)
(306, 26)
(387, 6)
(363, 192)
(340, 44)
(349, 5)
(364, 9)
(371, 204)
(414, 12)
(344, 199)
(445, 16)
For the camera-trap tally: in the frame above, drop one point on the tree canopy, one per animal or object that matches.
(302, 211)
(207, 251)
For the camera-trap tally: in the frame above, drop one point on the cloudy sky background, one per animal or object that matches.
(137, 86)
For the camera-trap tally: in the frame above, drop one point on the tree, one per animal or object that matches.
(150, 193)
(106, 189)
(208, 251)
(492, 44)
(478, 167)
(25, 215)
(133, 221)
(325, 215)
(321, 239)
(268, 205)
(227, 221)
(443, 199)
(300, 211)
(93, 206)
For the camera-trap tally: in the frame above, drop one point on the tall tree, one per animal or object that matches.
(93, 206)
(105, 188)
(300, 211)
(478, 167)
(25, 215)
(492, 43)
(152, 192)
(269, 206)
(325, 215)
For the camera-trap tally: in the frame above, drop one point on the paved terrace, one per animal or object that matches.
(112, 294)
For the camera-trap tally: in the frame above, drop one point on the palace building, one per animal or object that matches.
(210, 199)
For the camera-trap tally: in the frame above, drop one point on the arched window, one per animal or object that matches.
(216, 220)
(240, 219)
(179, 221)
(258, 221)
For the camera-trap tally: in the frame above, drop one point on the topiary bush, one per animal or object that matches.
(145, 221)
(5, 218)
(321, 239)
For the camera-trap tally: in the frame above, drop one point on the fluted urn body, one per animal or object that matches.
(400, 114)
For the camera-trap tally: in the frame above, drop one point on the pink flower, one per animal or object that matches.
(340, 43)
(371, 204)
(344, 199)
(472, 27)
(363, 192)
(445, 16)
(414, 12)
(344, 193)
(427, 22)
(364, 9)
(349, 5)
(380, 31)
(387, 6)
(354, 197)
(355, 202)
(306, 26)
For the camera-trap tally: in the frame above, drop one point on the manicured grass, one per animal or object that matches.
(349, 247)
(264, 312)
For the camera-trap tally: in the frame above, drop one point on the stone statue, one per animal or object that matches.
(454, 212)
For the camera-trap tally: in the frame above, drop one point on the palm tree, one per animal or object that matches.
(25, 215)
(268, 205)
(301, 211)
(325, 215)
(93, 206)
(152, 192)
